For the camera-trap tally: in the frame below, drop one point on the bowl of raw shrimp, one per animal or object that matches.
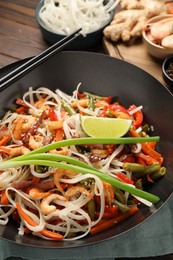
(56, 20)
(158, 36)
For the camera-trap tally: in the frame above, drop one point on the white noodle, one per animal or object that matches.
(70, 211)
(64, 17)
(18, 197)
(39, 175)
(133, 111)
(144, 201)
(109, 159)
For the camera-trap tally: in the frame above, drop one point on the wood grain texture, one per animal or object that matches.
(20, 36)
(136, 54)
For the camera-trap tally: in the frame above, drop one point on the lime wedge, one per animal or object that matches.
(105, 127)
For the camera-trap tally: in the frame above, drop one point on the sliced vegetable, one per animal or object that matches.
(137, 116)
(119, 111)
(124, 178)
(3, 198)
(40, 159)
(31, 222)
(106, 224)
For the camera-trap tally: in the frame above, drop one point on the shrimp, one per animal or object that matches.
(109, 193)
(54, 125)
(62, 151)
(45, 203)
(82, 102)
(59, 174)
(35, 141)
(161, 29)
(75, 190)
(167, 42)
(37, 194)
(40, 104)
(102, 153)
(16, 151)
(22, 125)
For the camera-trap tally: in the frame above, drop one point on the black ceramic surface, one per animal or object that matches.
(81, 43)
(102, 75)
(165, 66)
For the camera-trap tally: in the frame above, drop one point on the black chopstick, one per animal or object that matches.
(35, 61)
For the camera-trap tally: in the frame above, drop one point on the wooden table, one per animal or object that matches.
(136, 54)
(20, 37)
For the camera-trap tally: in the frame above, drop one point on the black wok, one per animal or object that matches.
(102, 75)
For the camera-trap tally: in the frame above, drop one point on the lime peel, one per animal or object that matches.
(105, 127)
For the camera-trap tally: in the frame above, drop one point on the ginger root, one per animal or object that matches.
(128, 23)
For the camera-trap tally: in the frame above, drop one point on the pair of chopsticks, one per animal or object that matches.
(35, 61)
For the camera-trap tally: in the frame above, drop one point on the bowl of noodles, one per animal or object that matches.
(60, 187)
(58, 19)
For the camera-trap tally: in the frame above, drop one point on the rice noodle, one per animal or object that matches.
(64, 17)
(56, 209)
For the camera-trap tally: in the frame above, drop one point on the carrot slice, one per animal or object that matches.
(146, 158)
(31, 222)
(51, 234)
(146, 148)
(23, 215)
(150, 151)
(4, 149)
(4, 140)
(4, 199)
(103, 225)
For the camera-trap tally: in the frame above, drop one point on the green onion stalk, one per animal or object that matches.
(41, 158)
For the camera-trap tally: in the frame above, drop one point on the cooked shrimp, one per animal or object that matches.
(82, 103)
(109, 193)
(37, 194)
(62, 173)
(22, 125)
(45, 203)
(40, 104)
(16, 151)
(62, 151)
(36, 141)
(76, 190)
(102, 153)
(54, 125)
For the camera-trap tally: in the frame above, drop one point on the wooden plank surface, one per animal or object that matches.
(20, 36)
(136, 54)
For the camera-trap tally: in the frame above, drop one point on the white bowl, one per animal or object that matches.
(154, 49)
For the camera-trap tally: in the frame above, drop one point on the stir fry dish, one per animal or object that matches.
(74, 165)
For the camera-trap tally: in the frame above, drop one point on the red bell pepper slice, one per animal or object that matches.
(137, 116)
(52, 115)
(110, 212)
(119, 111)
(111, 209)
(124, 178)
(107, 99)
